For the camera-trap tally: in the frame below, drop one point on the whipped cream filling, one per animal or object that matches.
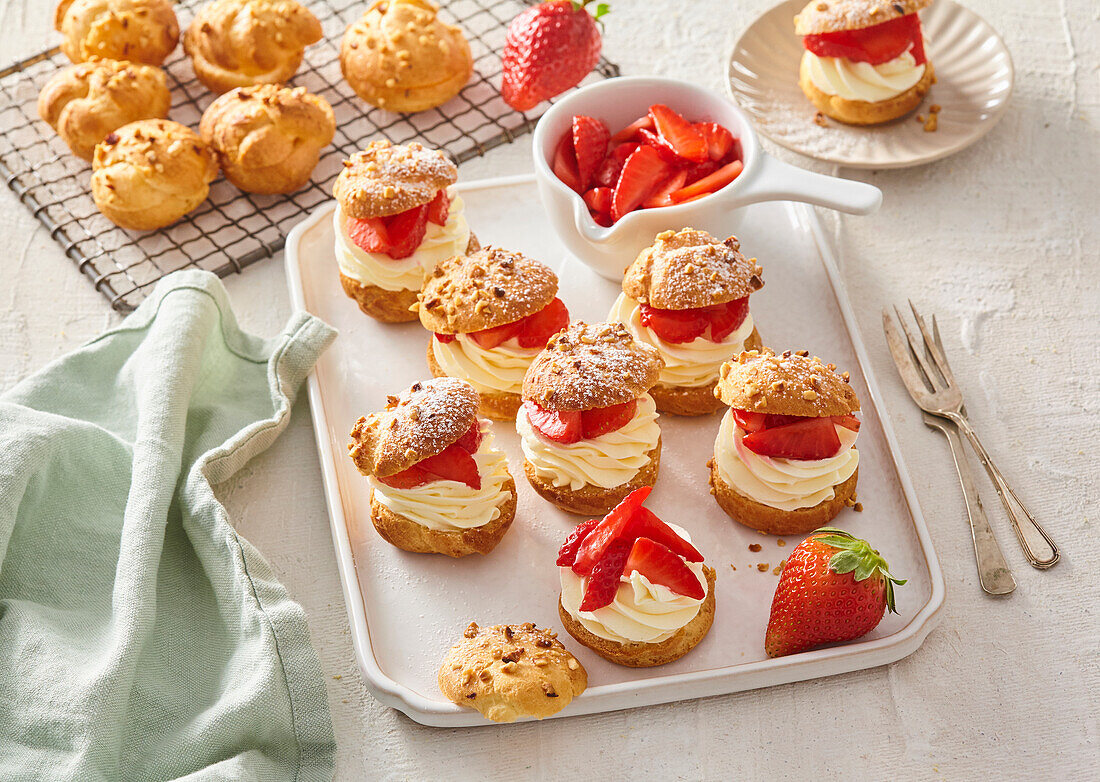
(606, 461)
(852, 80)
(378, 269)
(786, 484)
(690, 364)
(496, 370)
(446, 506)
(641, 611)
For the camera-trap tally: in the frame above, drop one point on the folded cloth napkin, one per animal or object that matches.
(140, 637)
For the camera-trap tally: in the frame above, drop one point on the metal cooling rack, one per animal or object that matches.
(231, 229)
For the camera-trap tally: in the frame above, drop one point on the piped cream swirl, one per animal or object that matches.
(496, 370)
(853, 80)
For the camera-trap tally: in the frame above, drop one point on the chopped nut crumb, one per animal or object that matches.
(858, 507)
(819, 120)
(932, 123)
(733, 566)
(754, 547)
(763, 567)
(778, 568)
(935, 108)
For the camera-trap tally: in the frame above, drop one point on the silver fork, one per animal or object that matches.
(935, 390)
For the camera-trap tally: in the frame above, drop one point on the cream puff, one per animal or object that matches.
(687, 296)
(865, 61)
(588, 426)
(491, 312)
(398, 216)
(438, 484)
(136, 30)
(634, 588)
(784, 460)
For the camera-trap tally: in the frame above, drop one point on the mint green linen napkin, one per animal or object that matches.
(140, 636)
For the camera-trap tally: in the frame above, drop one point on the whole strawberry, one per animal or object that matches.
(834, 587)
(550, 47)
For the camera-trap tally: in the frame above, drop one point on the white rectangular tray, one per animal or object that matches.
(407, 609)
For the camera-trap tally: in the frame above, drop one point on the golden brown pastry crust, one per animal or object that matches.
(407, 535)
(586, 366)
(150, 173)
(498, 405)
(687, 269)
(859, 112)
(419, 422)
(830, 16)
(484, 289)
(239, 43)
(268, 138)
(85, 102)
(788, 384)
(592, 500)
(384, 179)
(136, 30)
(646, 655)
(399, 56)
(508, 672)
(773, 521)
(695, 400)
(381, 304)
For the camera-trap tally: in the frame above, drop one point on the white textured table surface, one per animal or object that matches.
(1000, 240)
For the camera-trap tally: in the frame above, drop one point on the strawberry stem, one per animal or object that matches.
(856, 556)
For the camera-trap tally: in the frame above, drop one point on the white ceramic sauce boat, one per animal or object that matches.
(619, 102)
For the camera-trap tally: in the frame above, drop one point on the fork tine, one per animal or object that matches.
(911, 375)
(939, 344)
(930, 345)
(930, 375)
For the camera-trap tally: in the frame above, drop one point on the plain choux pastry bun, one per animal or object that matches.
(85, 102)
(135, 30)
(238, 43)
(400, 57)
(150, 173)
(268, 138)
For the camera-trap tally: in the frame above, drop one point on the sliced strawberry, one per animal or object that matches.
(470, 441)
(662, 196)
(641, 174)
(599, 199)
(664, 149)
(608, 173)
(603, 582)
(439, 208)
(750, 422)
(565, 163)
(696, 171)
(536, 329)
(847, 421)
(646, 524)
(601, 420)
(446, 339)
(774, 420)
(408, 478)
(454, 463)
(559, 426)
(875, 45)
(807, 440)
(406, 231)
(660, 565)
(630, 132)
(369, 234)
(676, 326)
(727, 318)
(590, 138)
(497, 335)
(709, 183)
(719, 139)
(678, 133)
(609, 529)
(567, 554)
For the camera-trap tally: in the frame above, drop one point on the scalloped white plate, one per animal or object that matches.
(974, 78)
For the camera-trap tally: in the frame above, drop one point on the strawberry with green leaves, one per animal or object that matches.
(834, 587)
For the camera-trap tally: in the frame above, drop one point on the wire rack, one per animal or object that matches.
(232, 229)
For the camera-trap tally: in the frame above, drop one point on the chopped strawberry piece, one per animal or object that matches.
(608, 173)
(641, 173)
(567, 554)
(875, 45)
(556, 425)
(609, 529)
(749, 421)
(439, 208)
(603, 582)
(408, 478)
(565, 163)
(675, 326)
(662, 196)
(454, 463)
(630, 132)
(678, 133)
(727, 318)
(406, 231)
(590, 138)
(497, 335)
(646, 524)
(369, 234)
(710, 183)
(536, 329)
(847, 421)
(661, 565)
(719, 139)
(601, 420)
(471, 440)
(446, 339)
(599, 199)
(807, 440)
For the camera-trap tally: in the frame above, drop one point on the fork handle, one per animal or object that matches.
(993, 572)
(1018, 514)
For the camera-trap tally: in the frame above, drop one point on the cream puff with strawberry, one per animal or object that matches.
(438, 485)
(784, 460)
(865, 60)
(588, 426)
(634, 588)
(397, 216)
(687, 296)
(490, 313)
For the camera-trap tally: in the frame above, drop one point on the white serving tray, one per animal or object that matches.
(406, 610)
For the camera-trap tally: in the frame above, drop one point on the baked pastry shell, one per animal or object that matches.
(858, 112)
(695, 400)
(590, 500)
